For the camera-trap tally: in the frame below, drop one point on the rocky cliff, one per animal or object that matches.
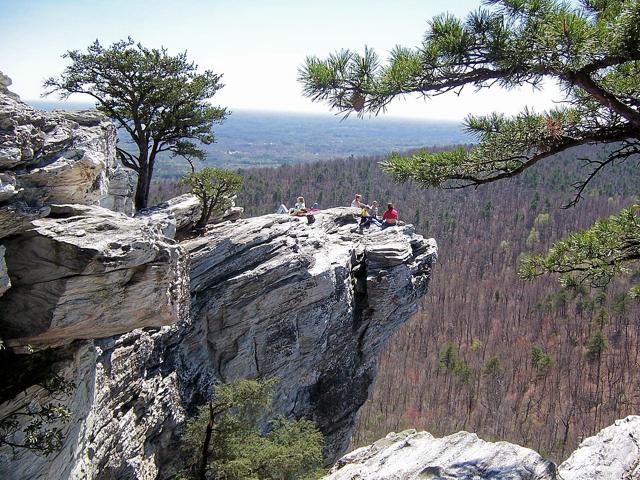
(612, 454)
(145, 326)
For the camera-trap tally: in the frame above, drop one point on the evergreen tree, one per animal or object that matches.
(158, 99)
(591, 49)
(215, 187)
(223, 441)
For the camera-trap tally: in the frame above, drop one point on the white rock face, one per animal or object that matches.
(270, 296)
(87, 272)
(59, 157)
(311, 304)
(125, 412)
(56, 157)
(614, 453)
(178, 213)
(409, 455)
(119, 196)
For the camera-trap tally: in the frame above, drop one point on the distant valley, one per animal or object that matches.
(248, 139)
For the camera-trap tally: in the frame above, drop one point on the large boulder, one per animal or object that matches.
(121, 191)
(56, 157)
(411, 455)
(614, 453)
(177, 214)
(87, 272)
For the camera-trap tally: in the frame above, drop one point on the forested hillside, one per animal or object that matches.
(527, 362)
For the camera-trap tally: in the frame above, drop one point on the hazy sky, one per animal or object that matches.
(257, 45)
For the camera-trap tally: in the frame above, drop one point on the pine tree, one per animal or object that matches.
(159, 100)
(590, 48)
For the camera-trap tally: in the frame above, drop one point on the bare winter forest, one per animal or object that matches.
(526, 362)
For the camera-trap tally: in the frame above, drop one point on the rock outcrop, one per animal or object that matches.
(614, 453)
(56, 157)
(145, 327)
(311, 304)
(270, 296)
(86, 272)
(410, 455)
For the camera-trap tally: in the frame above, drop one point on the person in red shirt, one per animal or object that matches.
(390, 217)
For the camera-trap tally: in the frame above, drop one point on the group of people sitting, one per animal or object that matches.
(368, 214)
(299, 209)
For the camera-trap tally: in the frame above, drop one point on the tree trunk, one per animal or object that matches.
(204, 458)
(142, 189)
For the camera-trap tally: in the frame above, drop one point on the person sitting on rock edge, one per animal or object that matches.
(365, 218)
(300, 208)
(390, 217)
(373, 213)
(356, 202)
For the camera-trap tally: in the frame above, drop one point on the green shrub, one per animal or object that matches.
(223, 440)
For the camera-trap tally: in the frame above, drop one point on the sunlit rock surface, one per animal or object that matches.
(270, 296)
(87, 272)
(57, 157)
(311, 304)
(614, 453)
(462, 456)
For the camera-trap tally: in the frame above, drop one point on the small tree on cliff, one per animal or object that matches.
(591, 48)
(223, 439)
(215, 187)
(158, 99)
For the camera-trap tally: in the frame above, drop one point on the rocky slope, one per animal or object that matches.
(145, 326)
(270, 296)
(612, 454)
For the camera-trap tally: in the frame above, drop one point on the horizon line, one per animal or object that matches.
(381, 117)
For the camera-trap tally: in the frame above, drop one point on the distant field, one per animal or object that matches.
(249, 139)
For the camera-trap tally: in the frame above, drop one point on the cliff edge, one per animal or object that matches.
(145, 326)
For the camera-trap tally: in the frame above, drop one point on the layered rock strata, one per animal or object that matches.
(270, 296)
(311, 304)
(57, 157)
(86, 272)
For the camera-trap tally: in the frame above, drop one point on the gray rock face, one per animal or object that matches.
(614, 453)
(311, 304)
(120, 193)
(269, 296)
(125, 409)
(409, 455)
(87, 272)
(56, 157)
(5, 83)
(179, 213)
(59, 157)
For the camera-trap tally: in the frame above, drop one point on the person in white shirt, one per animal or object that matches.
(356, 202)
